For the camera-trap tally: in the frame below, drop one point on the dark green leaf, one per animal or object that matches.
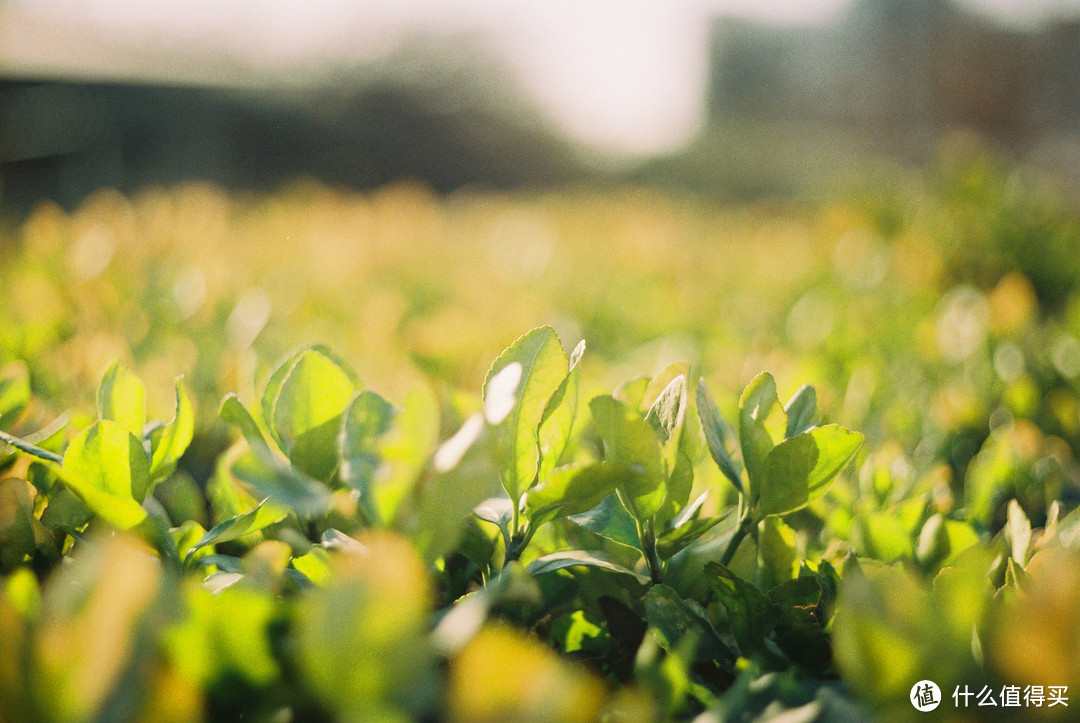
(17, 538)
(671, 619)
(367, 419)
(801, 410)
(263, 516)
(751, 614)
(611, 521)
(718, 436)
(673, 541)
(578, 558)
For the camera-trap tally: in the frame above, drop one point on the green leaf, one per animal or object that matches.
(799, 632)
(632, 443)
(559, 415)
(673, 541)
(169, 442)
(751, 614)
(465, 476)
(933, 545)
(284, 367)
(111, 458)
(679, 485)
(405, 450)
(273, 387)
(543, 369)
(65, 509)
(611, 521)
(122, 399)
(14, 391)
(718, 436)
(801, 410)
(264, 515)
(270, 477)
(570, 490)
(367, 419)
(17, 539)
(307, 415)
(512, 587)
(314, 565)
(666, 417)
(671, 619)
(499, 511)
(185, 536)
(234, 412)
(759, 409)
(580, 558)
(106, 467)
(776, 552)
(799, 469)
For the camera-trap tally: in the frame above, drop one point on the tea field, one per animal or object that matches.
(613, 454)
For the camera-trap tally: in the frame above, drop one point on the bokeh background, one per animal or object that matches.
(730, 97)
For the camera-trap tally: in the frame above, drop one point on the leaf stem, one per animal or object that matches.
(744, 526)
(647, 536)
(516, 540)
(31, 449)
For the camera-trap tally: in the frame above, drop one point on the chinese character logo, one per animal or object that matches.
(925, 695)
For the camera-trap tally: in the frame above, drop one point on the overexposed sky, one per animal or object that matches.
(620, 75)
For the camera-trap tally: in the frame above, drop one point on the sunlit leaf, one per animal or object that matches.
(122, 399)
(631, 443)
(308, 412)
(759, 409)
(233, 528)
(559, 416)
(799, 469)
(169, 442)
(106, 466)
(543, 369)
(570, 490)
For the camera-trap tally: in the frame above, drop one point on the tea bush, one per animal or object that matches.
(607, 530)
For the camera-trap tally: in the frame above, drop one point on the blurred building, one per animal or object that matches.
(903, 71)
(416, 116)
